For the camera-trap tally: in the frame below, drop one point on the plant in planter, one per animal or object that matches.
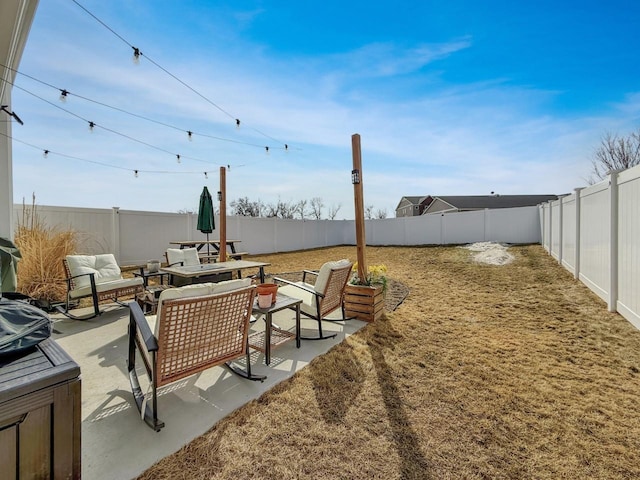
(364, 297)
(376, 275)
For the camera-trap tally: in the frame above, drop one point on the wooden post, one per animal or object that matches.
(223, 214)
(359, 206)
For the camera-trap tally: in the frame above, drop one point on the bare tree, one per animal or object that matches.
(281, 209)
(368, 212)
(333, 211)
(381, 213)
(615, 153)
(316, 208)
(301, 209)
(246, 208)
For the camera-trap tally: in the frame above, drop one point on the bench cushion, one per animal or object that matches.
(103, 266)
(106, 286)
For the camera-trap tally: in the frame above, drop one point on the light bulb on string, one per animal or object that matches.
(229, 167)
(63, 95)
(136, 55)
(135, 173)
(178, 158)
(237, 123)
(91, 126)
(286, 147)
(205, 175)
(190, 135)
(267, 150)
(45, 154)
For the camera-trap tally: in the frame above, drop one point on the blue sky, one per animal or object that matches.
(450, 98)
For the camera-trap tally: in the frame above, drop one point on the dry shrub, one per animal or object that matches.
(40, 271)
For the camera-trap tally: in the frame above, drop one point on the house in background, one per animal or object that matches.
(412, 206)
(464, 203)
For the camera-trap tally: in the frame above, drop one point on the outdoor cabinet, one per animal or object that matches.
(40, 414)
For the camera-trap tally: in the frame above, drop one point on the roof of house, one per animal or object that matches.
(414, 200)
(494, 201)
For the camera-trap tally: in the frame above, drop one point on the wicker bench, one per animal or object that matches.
(98, 277)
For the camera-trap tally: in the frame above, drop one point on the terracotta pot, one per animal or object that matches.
(268, 288)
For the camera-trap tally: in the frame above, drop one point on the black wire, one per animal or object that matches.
(138, 52)
(136, 115)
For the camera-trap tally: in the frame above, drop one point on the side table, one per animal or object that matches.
(274, 336)
(148, 300)
(146, 274)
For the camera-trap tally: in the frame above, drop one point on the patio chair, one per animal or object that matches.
(98, 277)
(183, 257)
(322, 297)
(196, 327)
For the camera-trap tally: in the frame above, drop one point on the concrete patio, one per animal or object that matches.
(116, 443)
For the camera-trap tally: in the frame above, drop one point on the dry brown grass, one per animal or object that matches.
(40, 271)
(505, 372)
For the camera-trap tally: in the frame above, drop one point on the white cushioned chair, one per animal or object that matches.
(99, 277)
(179, 257)
(196, 327)
(322, 297)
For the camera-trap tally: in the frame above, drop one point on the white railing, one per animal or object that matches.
(135, 236)
(594, 233)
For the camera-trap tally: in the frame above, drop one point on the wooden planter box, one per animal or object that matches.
(364, 302)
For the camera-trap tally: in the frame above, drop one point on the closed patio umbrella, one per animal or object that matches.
(206, 223)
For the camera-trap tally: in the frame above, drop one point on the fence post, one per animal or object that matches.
(613, 239)
(560, 223)
(576, 269)
(115, 232)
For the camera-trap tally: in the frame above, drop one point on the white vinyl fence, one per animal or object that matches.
(135, 237)
(595, 234)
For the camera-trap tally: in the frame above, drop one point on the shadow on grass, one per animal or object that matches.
(337, 382)
(413, 462)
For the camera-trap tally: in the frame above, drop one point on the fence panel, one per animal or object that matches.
(628, 302)
(595, 218)
(512, 225)
(569, 232)
(555, 229)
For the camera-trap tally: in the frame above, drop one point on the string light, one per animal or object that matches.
(135, 173)
(205, 175)
(286, 147)
(136, 55)
(66, 92)
(190, 135)
(178, 158)
(63, 95)
(229, 167)
(91, 126)
(267, 150)
(45, 154)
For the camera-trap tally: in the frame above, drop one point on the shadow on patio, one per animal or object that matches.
(111, 426)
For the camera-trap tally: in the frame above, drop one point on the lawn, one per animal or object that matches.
(483, 371)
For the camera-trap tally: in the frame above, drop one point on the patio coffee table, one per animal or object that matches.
(274, 336)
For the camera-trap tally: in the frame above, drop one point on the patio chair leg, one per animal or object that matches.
(94, 297)
(318, 318)
(150, 413)
(245, 373)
